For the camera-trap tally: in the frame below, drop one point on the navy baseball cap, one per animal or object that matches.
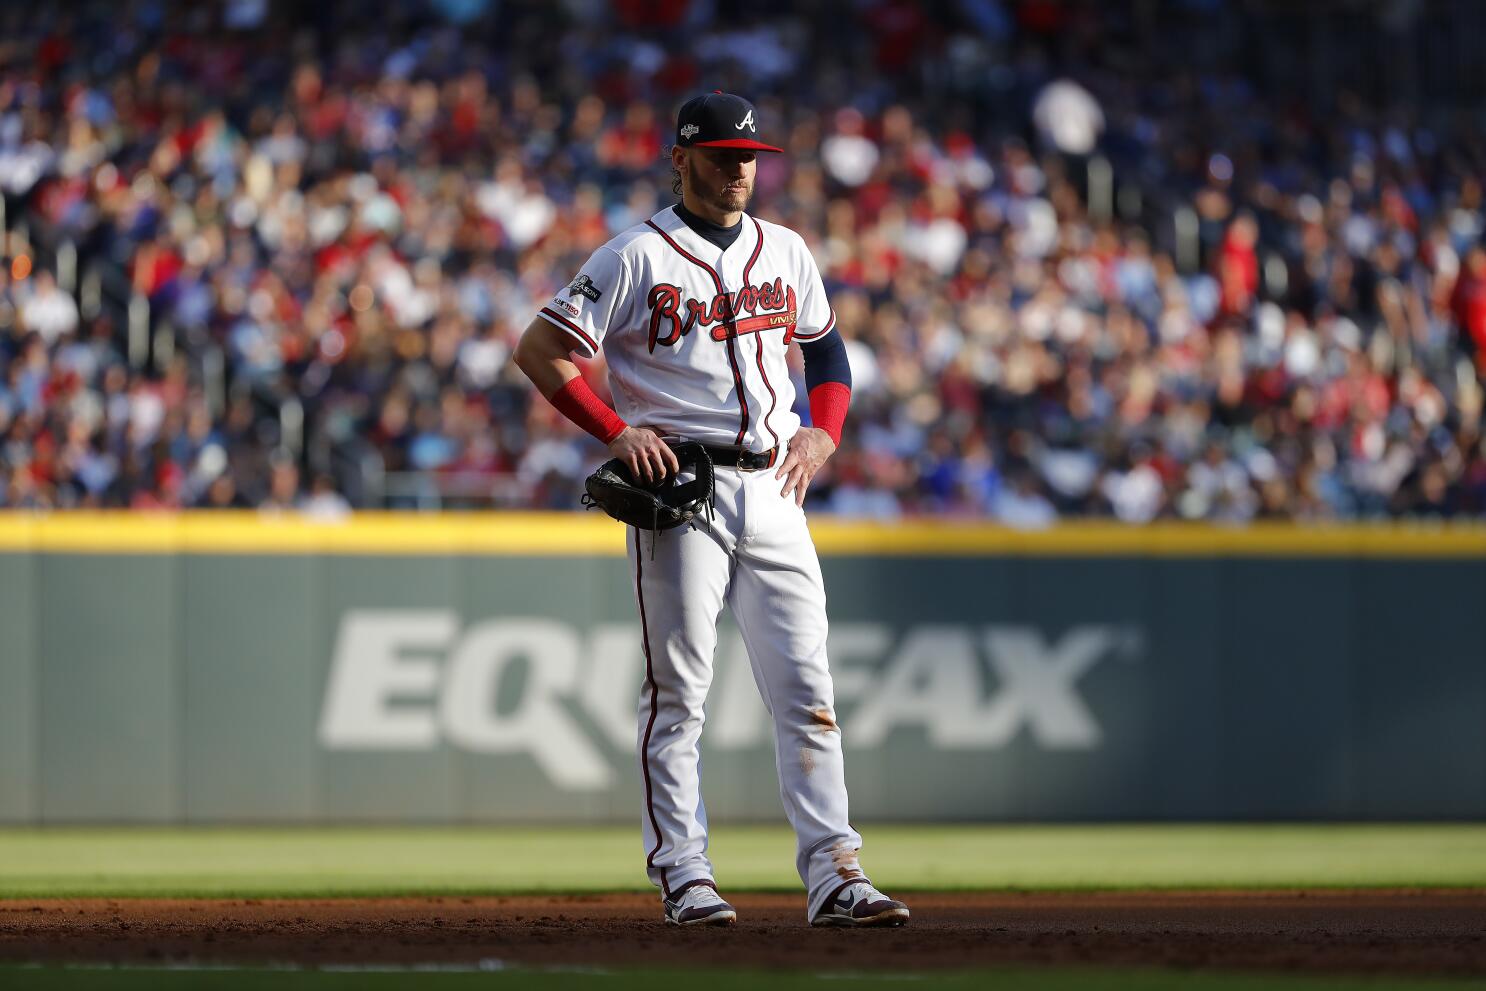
(719, 120)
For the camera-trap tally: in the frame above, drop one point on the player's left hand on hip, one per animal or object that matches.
(808, 450)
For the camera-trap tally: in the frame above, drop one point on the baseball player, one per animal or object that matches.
(694, 309)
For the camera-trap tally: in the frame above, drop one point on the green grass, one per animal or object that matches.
(1053, 979)
(317, 862)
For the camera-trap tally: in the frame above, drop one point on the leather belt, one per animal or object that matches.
(743, 460)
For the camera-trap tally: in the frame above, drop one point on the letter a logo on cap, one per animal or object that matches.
(747, 122)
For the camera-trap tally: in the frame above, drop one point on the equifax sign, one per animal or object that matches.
(413, 680)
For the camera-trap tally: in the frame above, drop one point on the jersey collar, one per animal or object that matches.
(668, 221)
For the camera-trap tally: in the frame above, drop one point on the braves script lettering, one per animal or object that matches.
(769, 306)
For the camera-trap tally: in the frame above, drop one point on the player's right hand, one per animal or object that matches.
(649, 458)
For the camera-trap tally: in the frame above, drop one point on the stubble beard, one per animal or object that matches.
(728, 200)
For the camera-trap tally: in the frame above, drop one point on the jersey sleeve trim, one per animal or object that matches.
(830, 325)
(565, 324)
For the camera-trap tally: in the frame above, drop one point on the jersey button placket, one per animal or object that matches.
(730, 279)
(749, 527)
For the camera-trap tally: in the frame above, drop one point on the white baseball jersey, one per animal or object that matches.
(657, 298)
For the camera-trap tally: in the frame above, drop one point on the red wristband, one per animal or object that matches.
(576, 401)
(828, 403)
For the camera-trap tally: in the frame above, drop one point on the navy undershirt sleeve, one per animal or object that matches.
(825, 361)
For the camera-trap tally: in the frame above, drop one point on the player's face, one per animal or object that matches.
(722, 178)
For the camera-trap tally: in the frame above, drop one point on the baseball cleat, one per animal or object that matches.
(699, 904)
(859, 904)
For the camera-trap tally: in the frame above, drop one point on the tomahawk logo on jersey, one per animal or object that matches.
(724, 313)
(702, 352)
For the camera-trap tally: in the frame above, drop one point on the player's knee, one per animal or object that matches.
(817, 717)
(681, 703)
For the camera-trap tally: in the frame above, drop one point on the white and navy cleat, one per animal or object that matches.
(857, 903)
(699, 904)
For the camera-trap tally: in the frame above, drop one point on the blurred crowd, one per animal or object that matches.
(257, 257)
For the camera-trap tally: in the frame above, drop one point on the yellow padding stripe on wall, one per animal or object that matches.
(363, 533)
(590, 534)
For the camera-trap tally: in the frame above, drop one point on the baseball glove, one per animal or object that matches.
(662, 505)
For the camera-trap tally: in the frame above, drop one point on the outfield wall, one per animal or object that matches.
(202, 668)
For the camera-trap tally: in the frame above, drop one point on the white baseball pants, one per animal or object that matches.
(757, 558)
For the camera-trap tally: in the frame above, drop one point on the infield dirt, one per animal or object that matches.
(1416, 932)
